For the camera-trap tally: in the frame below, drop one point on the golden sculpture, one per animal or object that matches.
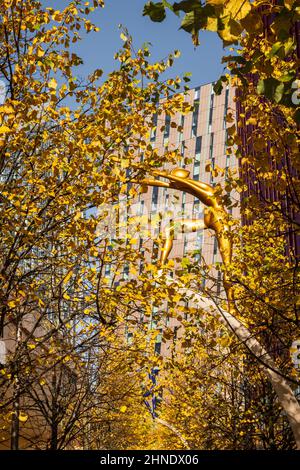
(215, 216)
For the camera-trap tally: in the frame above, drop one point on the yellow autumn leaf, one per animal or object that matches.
(23, 417)
(208, 167)
(4, 129)
(212, 24)
(7, 109)
(67, 277)
(40, 52)
(252, 121)
(52, 83)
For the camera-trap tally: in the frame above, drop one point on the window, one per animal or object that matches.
(197, 158)
(225, 107)
(157, 348)
(200, 239)
(195, 119)
(196, 171)
(211, 109)
(211, 145)
(183, 204)
(225, 140)
(126, 270)
(154, 198)
(107, 270)
(129, 337)
(185, 246)
(153, 130)
(129, 184)
(167, 201)
(219, 283)
(197, 209)
(213, 167)
(215, 246)
(141, 208)
(180, 132)
(167, 128)
(153, 319)
(226, 100)
(198, 145)
(199, 243)
(182, 148)
(197, 93)
(227, 166)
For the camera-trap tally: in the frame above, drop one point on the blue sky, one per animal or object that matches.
(97, 49)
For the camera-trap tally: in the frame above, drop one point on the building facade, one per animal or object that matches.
(201, 142)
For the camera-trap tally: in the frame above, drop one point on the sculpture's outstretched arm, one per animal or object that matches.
(202, 191)
(153, 182)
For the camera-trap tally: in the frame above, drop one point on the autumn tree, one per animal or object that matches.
(69, 148)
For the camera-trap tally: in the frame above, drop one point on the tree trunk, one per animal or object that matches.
(174, 430)
(54, 436)
(15, 422)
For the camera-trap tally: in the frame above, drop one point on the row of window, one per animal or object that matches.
(195, 118)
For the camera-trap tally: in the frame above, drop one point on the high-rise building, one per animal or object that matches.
(201, 141)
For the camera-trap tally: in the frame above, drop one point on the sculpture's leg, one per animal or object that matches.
(187, 226)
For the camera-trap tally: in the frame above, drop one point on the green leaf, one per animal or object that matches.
(193, 22)
(234, 58)
(271, 88)
(156, 11)
(187, 6)
(218, 86)
(186, 77)
(168, 5)
(287, 77)
(276, 49)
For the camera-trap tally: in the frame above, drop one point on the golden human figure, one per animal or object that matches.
(215, 216)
